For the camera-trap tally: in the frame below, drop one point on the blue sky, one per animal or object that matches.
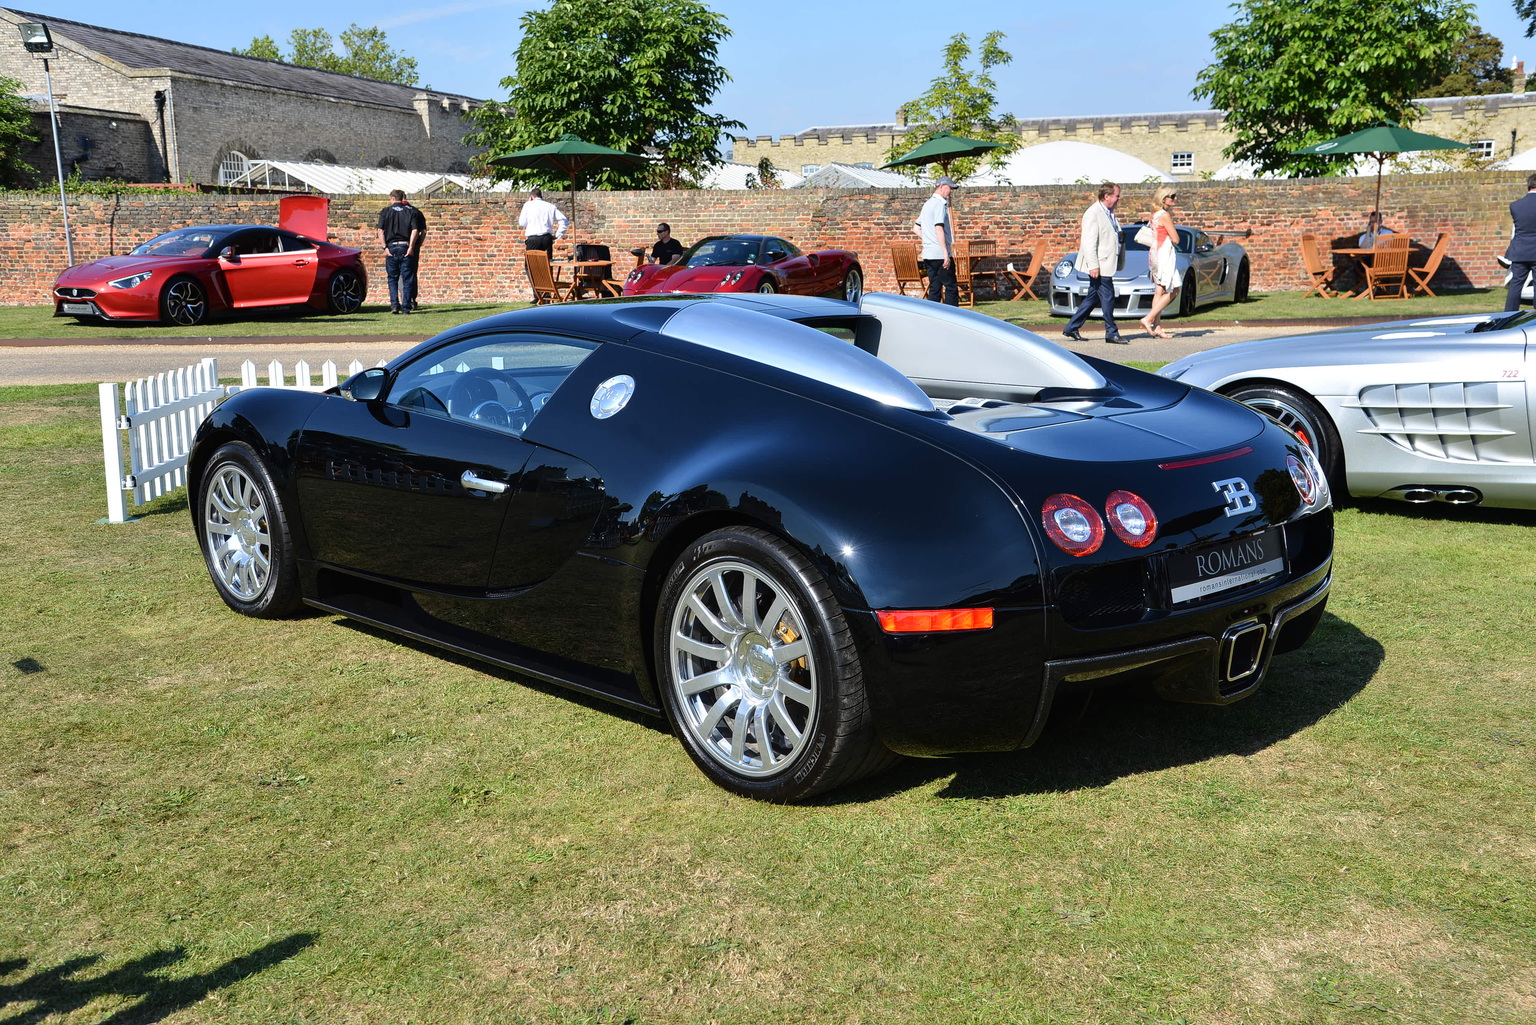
(794, 63)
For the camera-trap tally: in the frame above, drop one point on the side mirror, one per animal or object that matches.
(775, 255)
(228, 253)
(1205, 247)
(365, 386)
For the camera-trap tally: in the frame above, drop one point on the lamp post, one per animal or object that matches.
(39, 42)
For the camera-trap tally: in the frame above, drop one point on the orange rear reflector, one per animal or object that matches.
(922, 621)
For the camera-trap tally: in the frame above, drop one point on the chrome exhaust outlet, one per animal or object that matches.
(1242, 650)
(1415, 495)
(1458, 496)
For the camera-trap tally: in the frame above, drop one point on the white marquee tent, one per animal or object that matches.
(1066, 162)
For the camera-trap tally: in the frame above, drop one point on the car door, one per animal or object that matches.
(418, 486)
(1210, 263)
(796, 273)
(264, 267)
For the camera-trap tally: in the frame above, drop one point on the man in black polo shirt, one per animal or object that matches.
(401, 230)
(667, 249)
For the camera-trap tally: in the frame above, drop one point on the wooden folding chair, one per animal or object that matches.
(963, 260)
(1320, 272)
(1421, 275)
(1389, 264)
(908, 271)
(1025, 279)
(547, 288)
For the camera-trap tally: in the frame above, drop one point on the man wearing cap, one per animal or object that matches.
(938, 257)
(1099, 255)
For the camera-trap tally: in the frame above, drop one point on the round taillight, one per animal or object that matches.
(1301, 476)
(1073, 524)
(1131, 518)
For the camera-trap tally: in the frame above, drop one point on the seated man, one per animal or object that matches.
(1373, 229)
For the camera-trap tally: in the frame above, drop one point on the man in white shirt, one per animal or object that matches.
(1099, 255)
(542, 222)
(938, 237)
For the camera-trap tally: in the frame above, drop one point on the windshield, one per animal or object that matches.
(723, 252)
(1128, 232)
(185, 242)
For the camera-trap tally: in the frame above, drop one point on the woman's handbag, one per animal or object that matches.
(1145, 236)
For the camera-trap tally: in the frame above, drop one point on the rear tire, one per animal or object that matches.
(1303, 417)
(853, 285)
(759, 672)
(1187, 294)
(243, 532)
(345, 292)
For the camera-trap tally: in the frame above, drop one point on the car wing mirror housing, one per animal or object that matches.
(228, 253)
(365, 386)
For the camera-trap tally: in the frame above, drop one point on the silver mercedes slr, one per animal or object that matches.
(1212, 269)
(1431, 410)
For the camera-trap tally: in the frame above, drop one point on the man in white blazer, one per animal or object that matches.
(1099, 255)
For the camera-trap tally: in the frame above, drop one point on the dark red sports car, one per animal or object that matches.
(752, 263)
(184, 275)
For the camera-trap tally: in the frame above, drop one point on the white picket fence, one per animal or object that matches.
(160, 415)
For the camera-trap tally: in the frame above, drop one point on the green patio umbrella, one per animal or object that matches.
(941, 149)
(1381, 140)
(570, 156)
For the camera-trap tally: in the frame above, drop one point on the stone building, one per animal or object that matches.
(138, 108)
(1185, 144)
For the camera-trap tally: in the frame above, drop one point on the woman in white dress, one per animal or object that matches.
(1162, 265)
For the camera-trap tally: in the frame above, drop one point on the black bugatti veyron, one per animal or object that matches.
(815, 535)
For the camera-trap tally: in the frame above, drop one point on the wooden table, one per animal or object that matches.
(1360, 258)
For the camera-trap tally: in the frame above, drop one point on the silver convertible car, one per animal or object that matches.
(1212, 272)
(1432, 410)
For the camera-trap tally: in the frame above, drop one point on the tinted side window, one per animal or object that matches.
(499, 380)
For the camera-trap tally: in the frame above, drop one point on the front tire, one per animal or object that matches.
(183, 302)
(766, 287)
(1303, 417)
(1240, 289)
(244, 535)
(759, 672)
(345, 292)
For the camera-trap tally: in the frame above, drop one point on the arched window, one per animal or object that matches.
(320, 155)
(233, 166)
(393, 163)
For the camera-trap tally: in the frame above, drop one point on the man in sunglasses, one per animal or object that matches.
(667, 249)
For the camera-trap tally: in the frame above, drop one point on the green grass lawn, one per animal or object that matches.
(207, 818)
(39, 322)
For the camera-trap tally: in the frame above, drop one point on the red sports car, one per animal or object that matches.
(182, 276)
(752, 263)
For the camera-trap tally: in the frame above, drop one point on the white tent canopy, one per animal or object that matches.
(727, 175)
(1067, 162)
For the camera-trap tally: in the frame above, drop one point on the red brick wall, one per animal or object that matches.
(473, 250)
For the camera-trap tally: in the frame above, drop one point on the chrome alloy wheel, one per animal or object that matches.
(853, 286)
(238, 535)
(185, 303)
(743, 675)
(1288, 416)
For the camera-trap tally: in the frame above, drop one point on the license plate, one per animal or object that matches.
(79, 308)
(1222, 567)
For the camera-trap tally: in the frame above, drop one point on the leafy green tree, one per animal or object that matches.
(1477, 68)
(635, 75)
(366, 53)
(1293, 74)
(15, 134)
(962, 102)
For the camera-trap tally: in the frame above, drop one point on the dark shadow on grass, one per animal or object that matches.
(60, 990)
(1093, 740)
(639, 718)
